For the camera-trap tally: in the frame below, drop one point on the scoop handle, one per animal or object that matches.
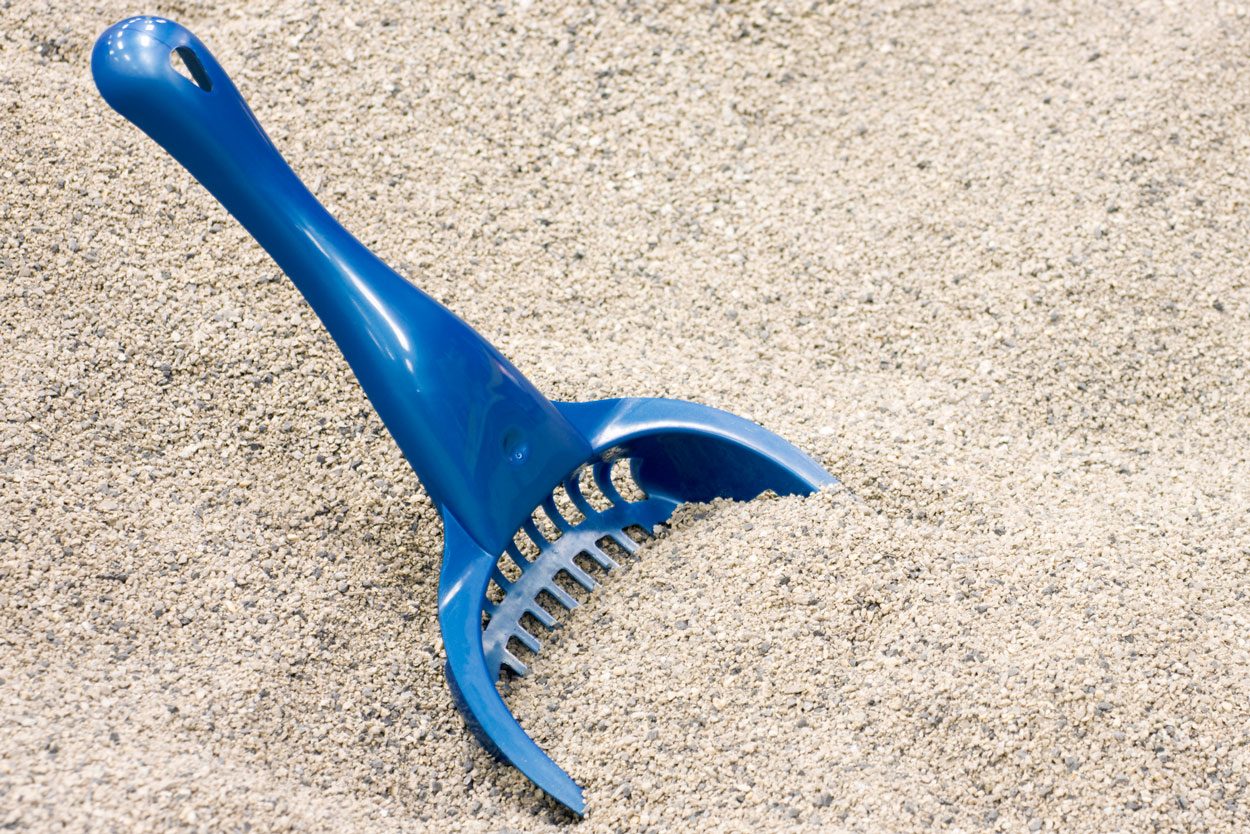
(204, 123)
(201, 121)
(487, 445)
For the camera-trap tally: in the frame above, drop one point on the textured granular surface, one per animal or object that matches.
(985, 261)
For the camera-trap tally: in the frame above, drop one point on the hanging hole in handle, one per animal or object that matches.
(187, 64)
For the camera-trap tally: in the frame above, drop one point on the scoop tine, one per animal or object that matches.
(542, 615)
(603, 477)
(562, 596)
(517, 667)
(574, 489)
(531, 530)
(558, 519)
(580, 576)
(502, 581)
(605, 561)
(627, 544)
(527, 640)
(514, 553)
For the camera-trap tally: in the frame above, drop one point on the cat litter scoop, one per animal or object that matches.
(533, 494)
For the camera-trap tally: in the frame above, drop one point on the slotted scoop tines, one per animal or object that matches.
(524, 486)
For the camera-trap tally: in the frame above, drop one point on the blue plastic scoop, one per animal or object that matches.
(533, 494)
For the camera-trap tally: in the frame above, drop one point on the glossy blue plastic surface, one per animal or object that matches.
(489, 448)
